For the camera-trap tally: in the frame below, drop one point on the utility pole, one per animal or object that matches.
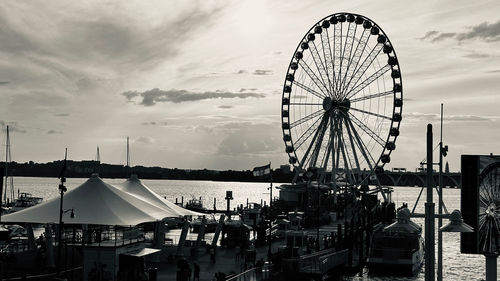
(429, 214)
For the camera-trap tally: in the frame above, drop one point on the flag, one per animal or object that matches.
(262, 171)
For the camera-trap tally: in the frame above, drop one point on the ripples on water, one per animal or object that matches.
(456, 266)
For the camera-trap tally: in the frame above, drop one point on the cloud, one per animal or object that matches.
(61, 114)
(429, 34)
(4, 82)
(148, 123)
(451, 118)
(153, 96)
(225, 106)
(249, 89)
(475, 55)
(52, 132)
(488, 32)
(241, 71)
(146, 140)
(442, 36)
(262, 72)
(493, 71)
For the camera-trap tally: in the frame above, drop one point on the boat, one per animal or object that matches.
(235, 232)
(397, 248)
(25, 200)
(210, 224)
(195, 205)
(251, 214)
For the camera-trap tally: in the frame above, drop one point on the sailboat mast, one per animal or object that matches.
(9, 183)
(128, 154)
(6, 167)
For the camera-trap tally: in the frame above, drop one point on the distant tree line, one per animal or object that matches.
(83, 169)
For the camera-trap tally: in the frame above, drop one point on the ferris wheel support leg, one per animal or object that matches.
(308, 150)
(363, 152)
(353, 145)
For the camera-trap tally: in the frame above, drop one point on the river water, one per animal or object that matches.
(456, 266)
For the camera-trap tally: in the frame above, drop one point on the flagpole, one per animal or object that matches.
(270, 207)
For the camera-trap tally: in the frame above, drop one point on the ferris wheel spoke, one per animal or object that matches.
(304, 103)
(371, 113)
(317, 81)
(327, 50)
(377, 95)
(342, 58)
(348, 44)
(358, 53)
(367, 130)
(323, 71)
(483, 200)
(337, 57)
(368, 81)
(307, 134)
(307, 89)
(320, 66)
(307, 118)
(358, 73)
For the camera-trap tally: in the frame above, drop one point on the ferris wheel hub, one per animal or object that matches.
(329, 104)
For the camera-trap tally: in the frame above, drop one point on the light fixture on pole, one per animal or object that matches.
(456, 223)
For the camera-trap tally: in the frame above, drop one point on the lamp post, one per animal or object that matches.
(269, 246)
(456, 223)
(62, 189)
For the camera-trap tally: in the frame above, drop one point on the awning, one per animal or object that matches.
(141, 252)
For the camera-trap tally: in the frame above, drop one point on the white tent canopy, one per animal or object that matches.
(134, 186)
(93, 202)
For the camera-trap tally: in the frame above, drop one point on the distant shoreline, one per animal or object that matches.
(83, 169)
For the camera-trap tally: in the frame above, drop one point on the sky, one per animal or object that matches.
(198, 84)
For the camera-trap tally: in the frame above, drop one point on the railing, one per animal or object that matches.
(321, 261)
(318, 262)
(254, 274)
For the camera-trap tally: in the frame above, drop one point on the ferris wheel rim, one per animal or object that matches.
(491, 211)
(286, 93)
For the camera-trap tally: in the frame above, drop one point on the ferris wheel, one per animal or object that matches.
(342, 99)
(489, 209)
